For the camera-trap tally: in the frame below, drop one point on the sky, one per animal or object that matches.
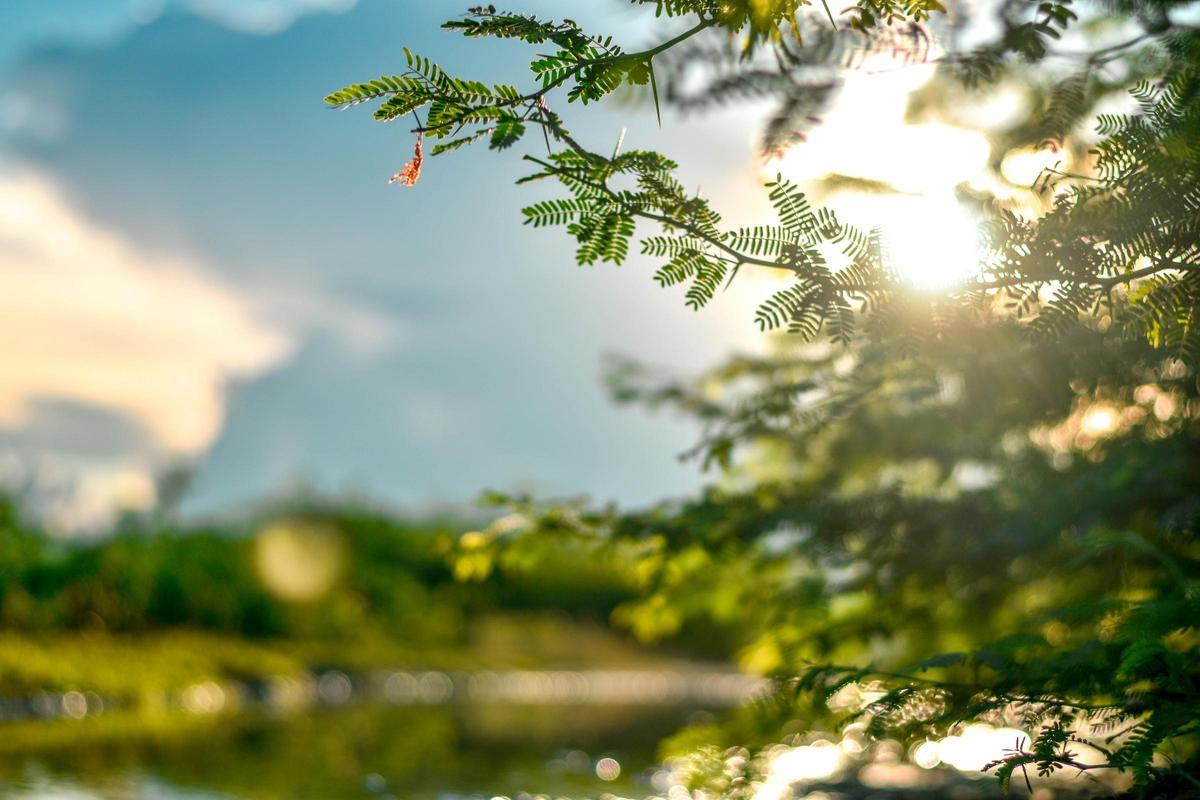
(202, 265)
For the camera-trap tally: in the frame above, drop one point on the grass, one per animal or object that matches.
(132, 669)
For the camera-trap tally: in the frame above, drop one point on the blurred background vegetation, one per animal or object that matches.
(332, 585)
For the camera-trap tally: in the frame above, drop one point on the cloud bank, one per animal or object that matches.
(92, 320)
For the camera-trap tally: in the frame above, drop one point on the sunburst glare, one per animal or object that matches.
(932, 242)
(931, 239)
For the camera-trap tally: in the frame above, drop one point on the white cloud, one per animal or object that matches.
(90, 321)
(88, 317)
(148, 342)
(299, 311)
(35, 22)
(264, 17)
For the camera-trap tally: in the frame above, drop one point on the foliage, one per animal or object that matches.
(223, 600)
(926, 464)
(1030, 516)
(1129, 229)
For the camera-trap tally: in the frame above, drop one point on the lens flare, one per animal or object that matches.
(299, 561)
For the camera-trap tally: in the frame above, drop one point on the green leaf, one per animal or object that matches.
(506, 133)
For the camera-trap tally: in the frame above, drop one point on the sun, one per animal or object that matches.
(931, 242)
(930, 239)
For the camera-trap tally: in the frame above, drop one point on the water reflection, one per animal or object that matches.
(428, 735)
(400, 687)
(427, 752)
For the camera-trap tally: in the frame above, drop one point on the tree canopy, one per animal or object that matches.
(1120, 240)
(972, 504)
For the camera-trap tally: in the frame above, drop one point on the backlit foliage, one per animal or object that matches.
(1030, 522)
(1061, 579)
(1129, 227)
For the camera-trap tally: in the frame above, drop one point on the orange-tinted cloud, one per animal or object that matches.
(89, 317)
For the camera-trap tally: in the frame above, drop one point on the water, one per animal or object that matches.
(371, 751)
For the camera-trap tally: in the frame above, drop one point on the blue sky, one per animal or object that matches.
(201, 262)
